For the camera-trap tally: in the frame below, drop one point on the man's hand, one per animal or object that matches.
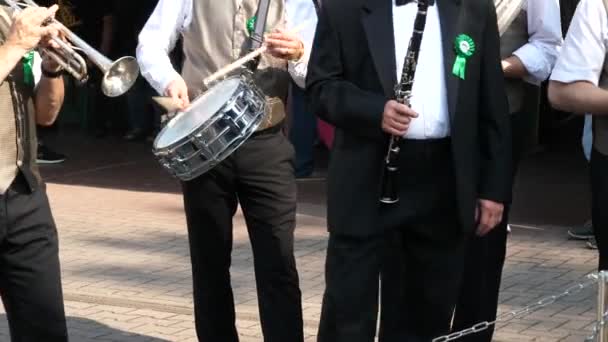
(284, 45)
(396, 118)
(27, 30)
(488, 214)
(512, 67)
(48, 42)
(178, 91)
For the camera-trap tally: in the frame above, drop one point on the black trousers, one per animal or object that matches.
(259, 176)
(599, 203)
(485, 259)
(30, 283)
(431, 248)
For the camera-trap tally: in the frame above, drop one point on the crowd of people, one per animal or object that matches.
(430, 113)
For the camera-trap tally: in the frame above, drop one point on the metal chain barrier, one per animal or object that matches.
(593, 278)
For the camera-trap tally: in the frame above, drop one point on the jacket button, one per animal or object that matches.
(19, 163)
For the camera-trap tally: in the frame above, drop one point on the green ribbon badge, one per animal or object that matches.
(251, 25)
(465, 48)
(28, 65)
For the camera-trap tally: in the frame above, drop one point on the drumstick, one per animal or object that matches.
(167, 103)
(241, 61)
(234, 65)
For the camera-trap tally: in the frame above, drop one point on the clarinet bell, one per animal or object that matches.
(389, 186)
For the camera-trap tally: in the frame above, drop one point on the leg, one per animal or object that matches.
(139, 113)
(599, 193)
(478, 301)
(421, 273)
(350, 303)
(29, 266)
(303, 133)
(392, 287)
(210, 203)
(267, 192)
(485, 258)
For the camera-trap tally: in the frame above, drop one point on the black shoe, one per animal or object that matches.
(584, 232)
(48, 156)
(592, 243)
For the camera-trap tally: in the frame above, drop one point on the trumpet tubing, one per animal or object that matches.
(118, 76)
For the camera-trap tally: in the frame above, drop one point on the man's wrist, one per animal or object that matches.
(299, 53)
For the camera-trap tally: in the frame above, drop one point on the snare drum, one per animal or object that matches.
(212, 128)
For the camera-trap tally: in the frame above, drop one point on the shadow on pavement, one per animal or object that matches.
(86, 330)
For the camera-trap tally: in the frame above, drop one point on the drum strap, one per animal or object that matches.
(257, 37)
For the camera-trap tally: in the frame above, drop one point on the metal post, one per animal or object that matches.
(602, 302)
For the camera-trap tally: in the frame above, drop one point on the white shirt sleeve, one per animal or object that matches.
(545, 31)
(584, 50)
(301, 15)
(158, 38)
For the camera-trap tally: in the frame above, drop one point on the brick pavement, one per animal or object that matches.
(126, 267)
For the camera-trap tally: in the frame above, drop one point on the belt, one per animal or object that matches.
(429, 149)
(270, 130)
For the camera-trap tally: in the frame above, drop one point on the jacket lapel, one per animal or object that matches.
(449, 17)
(381, 42)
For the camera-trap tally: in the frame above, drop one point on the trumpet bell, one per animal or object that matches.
(120, 76)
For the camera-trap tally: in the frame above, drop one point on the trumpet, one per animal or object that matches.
(118, 76)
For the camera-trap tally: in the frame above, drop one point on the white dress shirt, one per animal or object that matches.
(433, 119)
(171, 17)
(545, 31)
(584, 51)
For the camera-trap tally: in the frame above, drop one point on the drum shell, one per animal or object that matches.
(217, 137)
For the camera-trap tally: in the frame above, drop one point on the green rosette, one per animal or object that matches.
(28, 68)
(465, 48)
(251, 25)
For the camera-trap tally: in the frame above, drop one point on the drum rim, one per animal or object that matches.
(204, 124)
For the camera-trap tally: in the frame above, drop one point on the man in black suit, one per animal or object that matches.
(454, 159)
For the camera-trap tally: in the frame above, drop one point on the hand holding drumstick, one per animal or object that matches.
(280, 44)
(284, 45)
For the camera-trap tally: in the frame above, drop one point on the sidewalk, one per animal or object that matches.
(126, 268)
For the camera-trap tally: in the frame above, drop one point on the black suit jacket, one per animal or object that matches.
(351, 75)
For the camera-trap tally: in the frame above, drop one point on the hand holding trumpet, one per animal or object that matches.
(28, 30)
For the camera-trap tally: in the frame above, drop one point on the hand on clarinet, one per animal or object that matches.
(178, 91)
(284, 45)
(396, 118)
(488, 214)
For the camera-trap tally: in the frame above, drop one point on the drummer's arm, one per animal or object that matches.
(158, 38)
(301, 16)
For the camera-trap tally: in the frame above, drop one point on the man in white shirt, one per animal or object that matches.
(259, 175)
(579, 84)
(529, 48)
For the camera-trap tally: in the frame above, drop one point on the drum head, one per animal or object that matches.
(200, 111)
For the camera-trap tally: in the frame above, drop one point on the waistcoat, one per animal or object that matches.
(18, 144)
(218, 36)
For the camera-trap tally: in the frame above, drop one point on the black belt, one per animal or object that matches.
(425, 148)
(270, 130)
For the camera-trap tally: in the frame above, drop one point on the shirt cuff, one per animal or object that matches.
(571, 76)
(532, 59)
(298, 69)
(160, 79)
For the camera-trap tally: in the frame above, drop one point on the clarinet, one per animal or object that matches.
(403, 94)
